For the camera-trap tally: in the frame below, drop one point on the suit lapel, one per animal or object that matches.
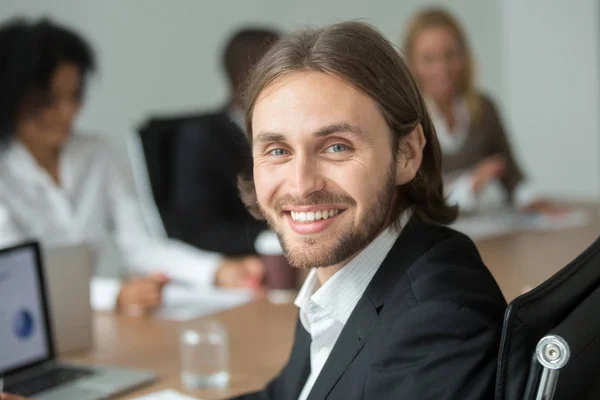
(300, 360)
(415, 239)
(349, 344)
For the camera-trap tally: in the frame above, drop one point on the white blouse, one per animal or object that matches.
(93, 204)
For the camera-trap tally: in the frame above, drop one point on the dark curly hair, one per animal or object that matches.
(30, 52)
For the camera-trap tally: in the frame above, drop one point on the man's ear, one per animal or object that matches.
(410, 155)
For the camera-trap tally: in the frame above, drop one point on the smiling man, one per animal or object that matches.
(347, 173)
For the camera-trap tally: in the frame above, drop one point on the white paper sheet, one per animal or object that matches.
(184, 303)
(167, 394)
(573, 219)
(504, 221)
(485, 226)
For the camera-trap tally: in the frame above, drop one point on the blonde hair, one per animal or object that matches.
(439, 18)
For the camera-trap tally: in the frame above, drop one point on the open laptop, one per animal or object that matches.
(28, 359)
(68, 270)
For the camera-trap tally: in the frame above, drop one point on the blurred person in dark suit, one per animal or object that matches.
(211, 152)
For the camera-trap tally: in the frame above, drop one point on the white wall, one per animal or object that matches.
(163, 56)
(552, 95)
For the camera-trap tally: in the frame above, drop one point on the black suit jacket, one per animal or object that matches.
(210, 153)
(427, 328)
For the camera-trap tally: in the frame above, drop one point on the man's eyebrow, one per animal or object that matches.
(269, 137)
(337, 128)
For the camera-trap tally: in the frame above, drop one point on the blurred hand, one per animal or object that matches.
(6, 396)
(487, 170)
(545, 207)
(244, 272)
(139, 296)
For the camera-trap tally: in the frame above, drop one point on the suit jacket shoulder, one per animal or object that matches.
(440, 325)
(453, 271)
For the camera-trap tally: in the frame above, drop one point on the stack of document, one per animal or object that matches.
(166, 395)
(182, 303)
(505, 221)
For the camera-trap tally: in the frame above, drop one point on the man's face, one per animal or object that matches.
(324, 169)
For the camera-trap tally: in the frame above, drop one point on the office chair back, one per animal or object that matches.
(158, 137)
(558, 318)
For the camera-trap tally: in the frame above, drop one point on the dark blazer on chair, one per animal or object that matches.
(486, 137)
(210, 153)
(428, 327)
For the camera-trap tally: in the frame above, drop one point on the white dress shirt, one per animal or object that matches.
(93, 204)
(325, 310)
(459, 187)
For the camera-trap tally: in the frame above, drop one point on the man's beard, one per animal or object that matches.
(350, 241)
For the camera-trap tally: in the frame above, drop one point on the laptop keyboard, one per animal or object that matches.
(47, 380)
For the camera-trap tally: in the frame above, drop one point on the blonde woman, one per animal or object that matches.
(475, 147)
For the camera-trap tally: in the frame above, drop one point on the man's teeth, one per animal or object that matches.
(312, 215)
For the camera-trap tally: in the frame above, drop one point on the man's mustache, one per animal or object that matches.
(313, 199)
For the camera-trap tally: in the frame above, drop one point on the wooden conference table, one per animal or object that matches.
(260, 333)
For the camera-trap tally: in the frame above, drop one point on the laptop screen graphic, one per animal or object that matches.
(23, 336)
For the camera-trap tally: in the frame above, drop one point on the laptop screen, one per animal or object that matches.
(23, 324)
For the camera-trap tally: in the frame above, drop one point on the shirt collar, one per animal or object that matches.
(20, 161)
(340, 294)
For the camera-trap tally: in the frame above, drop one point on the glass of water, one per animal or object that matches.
(204, 355)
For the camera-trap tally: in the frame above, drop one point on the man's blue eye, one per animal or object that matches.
(278, 152)
(336, 148)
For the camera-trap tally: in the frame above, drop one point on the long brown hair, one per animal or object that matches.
(440, 18)
(362, 57)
